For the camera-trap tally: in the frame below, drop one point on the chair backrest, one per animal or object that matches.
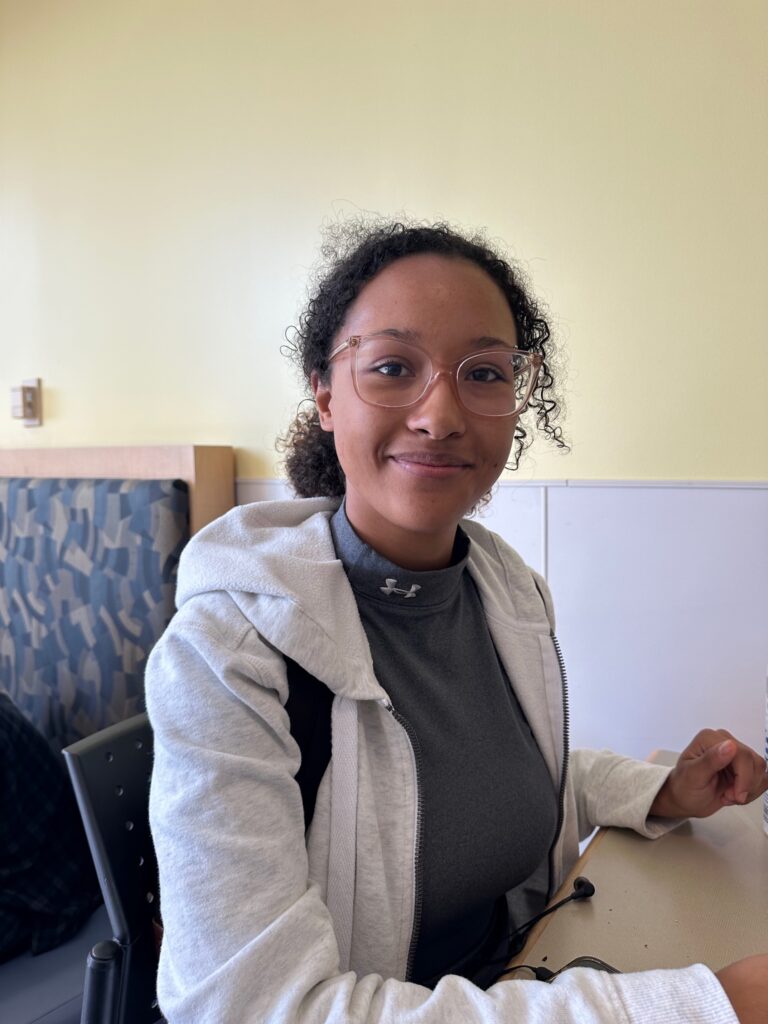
(110, 773)
(87, 582)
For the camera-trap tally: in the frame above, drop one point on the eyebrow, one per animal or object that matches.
(484, 341)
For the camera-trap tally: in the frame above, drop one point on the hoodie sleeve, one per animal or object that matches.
(613, 790)
(247, 938)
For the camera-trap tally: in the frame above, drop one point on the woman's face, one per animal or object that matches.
(413, 472)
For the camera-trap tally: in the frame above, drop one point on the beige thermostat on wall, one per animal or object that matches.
(27, 402)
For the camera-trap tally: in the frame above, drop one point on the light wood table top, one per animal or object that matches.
(699, 894)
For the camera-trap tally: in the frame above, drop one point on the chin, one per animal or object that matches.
(435, 516)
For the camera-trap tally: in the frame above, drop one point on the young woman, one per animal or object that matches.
(451, 808)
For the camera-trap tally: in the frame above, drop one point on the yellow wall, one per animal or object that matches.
(165, 166)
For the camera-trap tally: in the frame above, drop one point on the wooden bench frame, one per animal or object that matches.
(208, 470)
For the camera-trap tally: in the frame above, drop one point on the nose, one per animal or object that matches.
(438, 412)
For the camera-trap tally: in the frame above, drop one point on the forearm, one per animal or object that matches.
(620, 791)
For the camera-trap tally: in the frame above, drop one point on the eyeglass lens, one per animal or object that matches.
(395, 374)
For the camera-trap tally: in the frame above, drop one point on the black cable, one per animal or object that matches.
(545, 974)
(583, 889)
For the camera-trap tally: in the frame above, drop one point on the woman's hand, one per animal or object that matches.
(713, 771)
(746, 985)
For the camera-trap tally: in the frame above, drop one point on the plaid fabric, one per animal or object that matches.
(48, 886)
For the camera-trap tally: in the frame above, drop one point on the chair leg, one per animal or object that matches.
(102, 983)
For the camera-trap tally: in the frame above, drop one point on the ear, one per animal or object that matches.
(322, 393)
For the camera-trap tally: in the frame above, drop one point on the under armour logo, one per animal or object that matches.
(392, 589)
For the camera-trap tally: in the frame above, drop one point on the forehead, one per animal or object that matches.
(429, 295)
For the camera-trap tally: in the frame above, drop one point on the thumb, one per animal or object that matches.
(713, 760)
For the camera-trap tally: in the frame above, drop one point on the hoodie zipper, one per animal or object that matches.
(418, 884)
(566, 756)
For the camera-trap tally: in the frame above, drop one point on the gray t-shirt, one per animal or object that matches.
(489, 808)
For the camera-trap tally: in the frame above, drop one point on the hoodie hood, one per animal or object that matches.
(288, 584)
(246, 550)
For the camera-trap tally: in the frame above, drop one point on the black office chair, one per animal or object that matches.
(110, 773)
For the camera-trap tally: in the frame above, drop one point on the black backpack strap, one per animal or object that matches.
(309, 710)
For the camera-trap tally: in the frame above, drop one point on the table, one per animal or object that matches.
(699, 894)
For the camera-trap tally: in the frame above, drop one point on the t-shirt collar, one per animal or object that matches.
(376, 578)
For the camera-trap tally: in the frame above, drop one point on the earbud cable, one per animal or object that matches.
(583, 889)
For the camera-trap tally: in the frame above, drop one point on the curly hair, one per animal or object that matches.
(353, 253)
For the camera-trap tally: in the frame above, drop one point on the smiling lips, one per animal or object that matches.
(431, 464)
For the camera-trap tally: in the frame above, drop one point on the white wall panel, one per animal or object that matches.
(516, 513)
(262, 490)
(662, 603)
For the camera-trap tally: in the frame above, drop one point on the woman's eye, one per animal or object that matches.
(485, 374)
(392, 368)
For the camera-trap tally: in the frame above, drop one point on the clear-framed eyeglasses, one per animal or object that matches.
(395, 374)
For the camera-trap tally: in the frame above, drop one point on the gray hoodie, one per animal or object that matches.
(264, 925)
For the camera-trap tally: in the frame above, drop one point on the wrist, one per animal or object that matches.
(664, 803)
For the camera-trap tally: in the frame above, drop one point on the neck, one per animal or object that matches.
(419, 551)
